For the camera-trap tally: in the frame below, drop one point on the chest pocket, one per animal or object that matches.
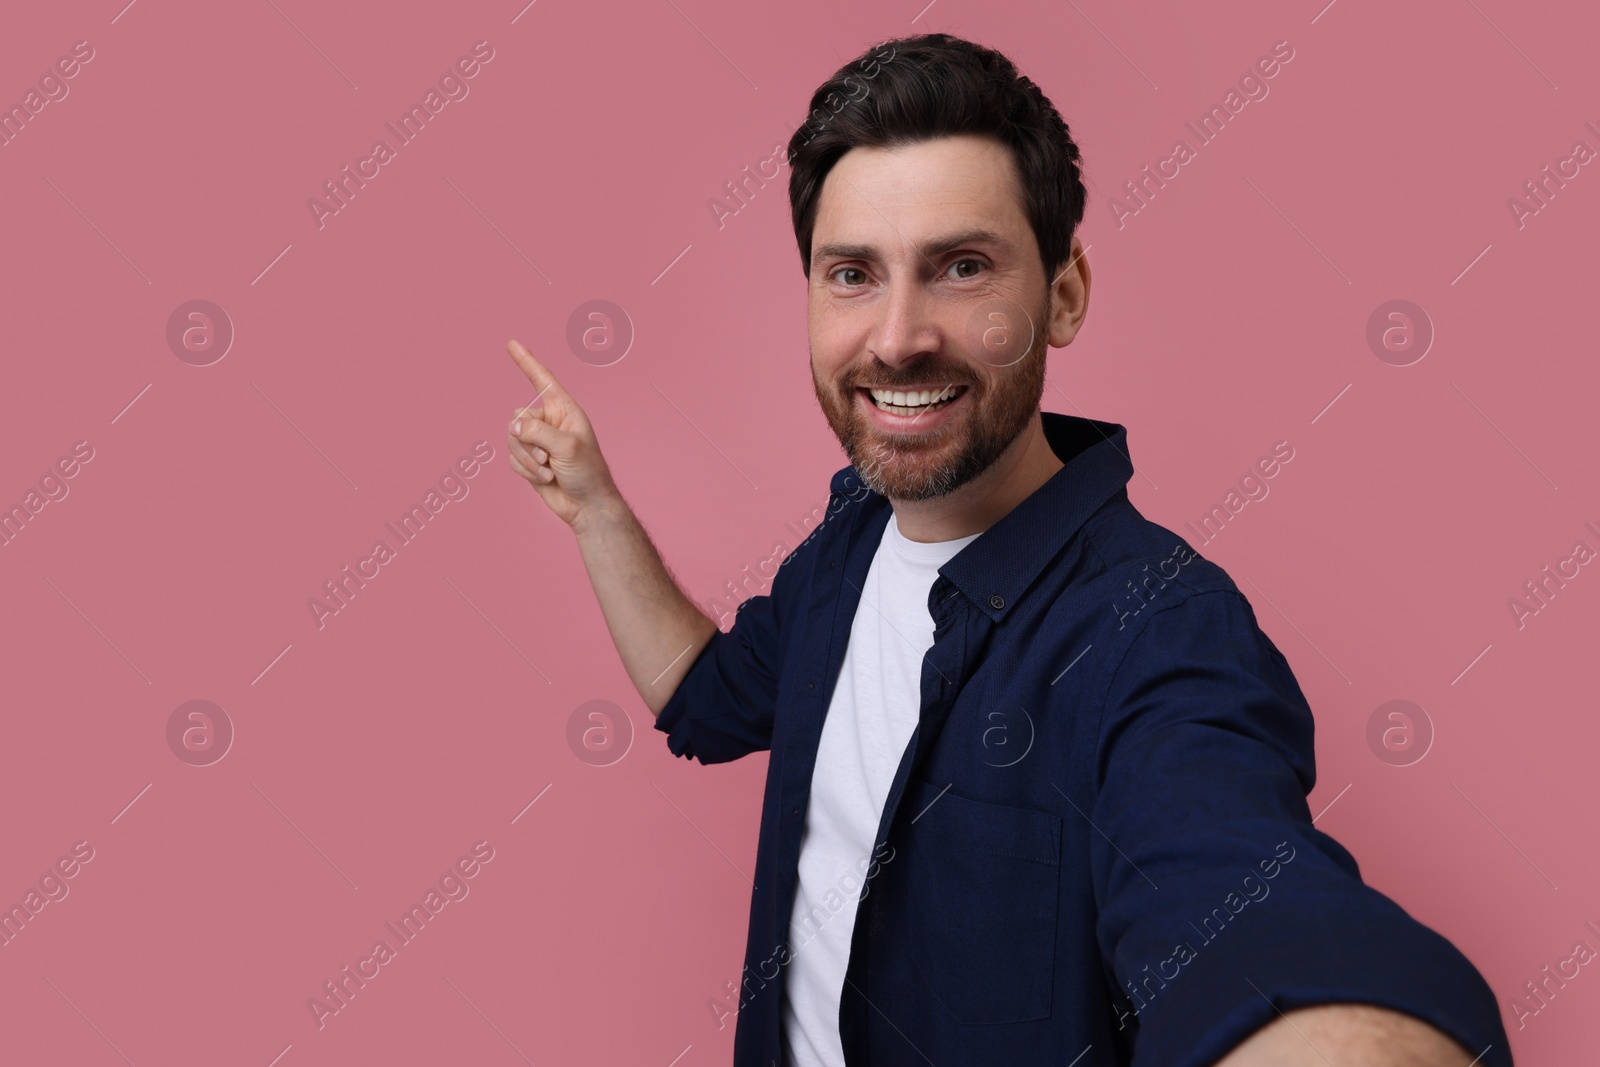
(984, 883)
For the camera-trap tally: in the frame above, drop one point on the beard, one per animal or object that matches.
(918, 467)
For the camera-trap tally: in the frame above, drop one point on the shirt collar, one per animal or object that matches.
(1004, 561)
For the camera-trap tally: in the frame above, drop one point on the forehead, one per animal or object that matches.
(888, 196)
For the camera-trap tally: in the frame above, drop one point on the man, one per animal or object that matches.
(1037, 782)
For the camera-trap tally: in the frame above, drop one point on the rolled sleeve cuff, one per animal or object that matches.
(707, 717)
(1302, 955)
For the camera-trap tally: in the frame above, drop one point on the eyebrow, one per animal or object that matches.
(937, 246)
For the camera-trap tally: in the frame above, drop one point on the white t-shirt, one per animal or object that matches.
(872, 713)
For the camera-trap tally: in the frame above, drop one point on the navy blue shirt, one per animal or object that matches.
(1096, 848)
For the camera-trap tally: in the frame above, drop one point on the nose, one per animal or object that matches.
(906, 328)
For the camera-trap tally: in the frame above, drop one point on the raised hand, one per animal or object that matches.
(555, 449)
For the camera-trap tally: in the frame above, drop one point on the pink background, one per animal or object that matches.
(371, 753)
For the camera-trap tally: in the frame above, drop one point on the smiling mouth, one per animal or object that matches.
(906, 402)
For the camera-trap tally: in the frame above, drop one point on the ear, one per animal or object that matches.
(1069, 296)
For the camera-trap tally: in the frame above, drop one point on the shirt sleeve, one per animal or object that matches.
(1220, 905)
(725, 705)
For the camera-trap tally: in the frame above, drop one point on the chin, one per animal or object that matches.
(906, 474)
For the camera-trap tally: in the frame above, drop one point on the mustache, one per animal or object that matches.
(903, 379)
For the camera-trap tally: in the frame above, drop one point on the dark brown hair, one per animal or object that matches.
(934, 85)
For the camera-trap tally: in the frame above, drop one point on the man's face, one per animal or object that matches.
(925, 279)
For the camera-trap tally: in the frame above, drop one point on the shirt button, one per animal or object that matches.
(997, 601)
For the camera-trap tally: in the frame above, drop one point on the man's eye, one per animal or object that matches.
(838, 274)
(970, 262)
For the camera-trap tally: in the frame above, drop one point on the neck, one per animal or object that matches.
(1025, 465)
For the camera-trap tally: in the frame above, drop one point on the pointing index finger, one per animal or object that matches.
(537, 373)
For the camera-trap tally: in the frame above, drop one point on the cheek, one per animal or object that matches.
(825, 371)
(820, 329)
(834, 343)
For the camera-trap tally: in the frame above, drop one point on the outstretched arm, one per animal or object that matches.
(1262, 944)
(657, 630)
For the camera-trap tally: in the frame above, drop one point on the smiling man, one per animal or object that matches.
(1037, 782)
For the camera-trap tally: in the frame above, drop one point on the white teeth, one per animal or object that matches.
(900, 398)
(906, 404)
